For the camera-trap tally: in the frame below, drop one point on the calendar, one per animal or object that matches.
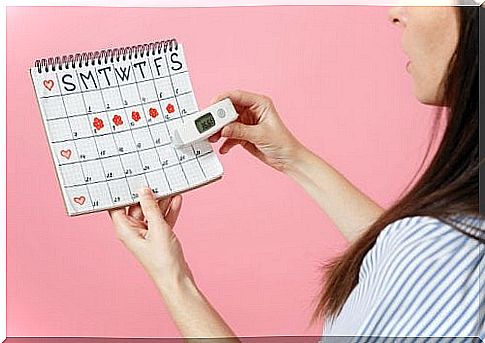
(109, 118)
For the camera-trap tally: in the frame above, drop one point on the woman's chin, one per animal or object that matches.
(426, 99)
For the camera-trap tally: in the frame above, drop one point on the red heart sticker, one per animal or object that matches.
(66, 153)
(79, 200)
(48, 84)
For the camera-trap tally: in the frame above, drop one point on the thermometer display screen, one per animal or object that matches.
(205, 122)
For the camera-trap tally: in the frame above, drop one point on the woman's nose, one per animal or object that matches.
(396, 16)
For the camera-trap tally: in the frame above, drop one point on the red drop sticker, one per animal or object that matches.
(135, 115)
(98, 123)
(117, 120)
(170, 108)
(153, 112)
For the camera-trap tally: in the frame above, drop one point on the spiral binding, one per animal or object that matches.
(102, 56)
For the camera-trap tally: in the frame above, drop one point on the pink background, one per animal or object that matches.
(254, 240)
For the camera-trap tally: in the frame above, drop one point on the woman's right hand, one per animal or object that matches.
(259, 130)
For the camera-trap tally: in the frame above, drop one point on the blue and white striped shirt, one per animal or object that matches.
(422, 278)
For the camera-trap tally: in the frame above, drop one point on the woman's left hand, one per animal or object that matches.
(147, 231)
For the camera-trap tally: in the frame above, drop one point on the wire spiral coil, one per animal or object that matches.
(104, 56)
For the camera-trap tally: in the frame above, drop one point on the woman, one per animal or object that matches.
(410, 270)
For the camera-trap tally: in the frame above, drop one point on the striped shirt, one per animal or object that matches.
(422, 278)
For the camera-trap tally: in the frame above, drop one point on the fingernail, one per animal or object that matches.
(145, 191)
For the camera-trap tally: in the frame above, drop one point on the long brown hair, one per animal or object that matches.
(448, 186)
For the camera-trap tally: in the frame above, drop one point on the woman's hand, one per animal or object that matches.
(259, 130)
(147, 231)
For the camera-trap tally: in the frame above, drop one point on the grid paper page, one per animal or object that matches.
(110, 126)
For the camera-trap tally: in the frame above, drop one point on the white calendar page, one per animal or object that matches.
(109, 127)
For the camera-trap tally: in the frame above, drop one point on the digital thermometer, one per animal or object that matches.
(205, 123)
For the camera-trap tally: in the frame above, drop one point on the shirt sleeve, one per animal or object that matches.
(425, 283)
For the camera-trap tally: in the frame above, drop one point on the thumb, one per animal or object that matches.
(237, 130)
(152, 212)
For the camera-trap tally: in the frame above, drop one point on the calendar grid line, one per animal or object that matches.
(111, 156)
(143, 102)
(181, 116)
(96, 145)
(142, 173)
(164, 122)
(151, 136)
(135, 194)
(117, 149)
(120, 131)
(160, 104)
(119, 108)
(129, 203)
(77, 152)
(110, 87)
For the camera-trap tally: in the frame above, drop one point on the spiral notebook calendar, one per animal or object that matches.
(109, 117)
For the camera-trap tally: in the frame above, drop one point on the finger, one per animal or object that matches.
(252, 149)
(228, 145)
(153, 214)
(238, 130)
(123, 226)
(215, 137)
(142, 232)
(118, 215)
(241, 98)
(135, 212)
(164, 204)
(174, 210)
